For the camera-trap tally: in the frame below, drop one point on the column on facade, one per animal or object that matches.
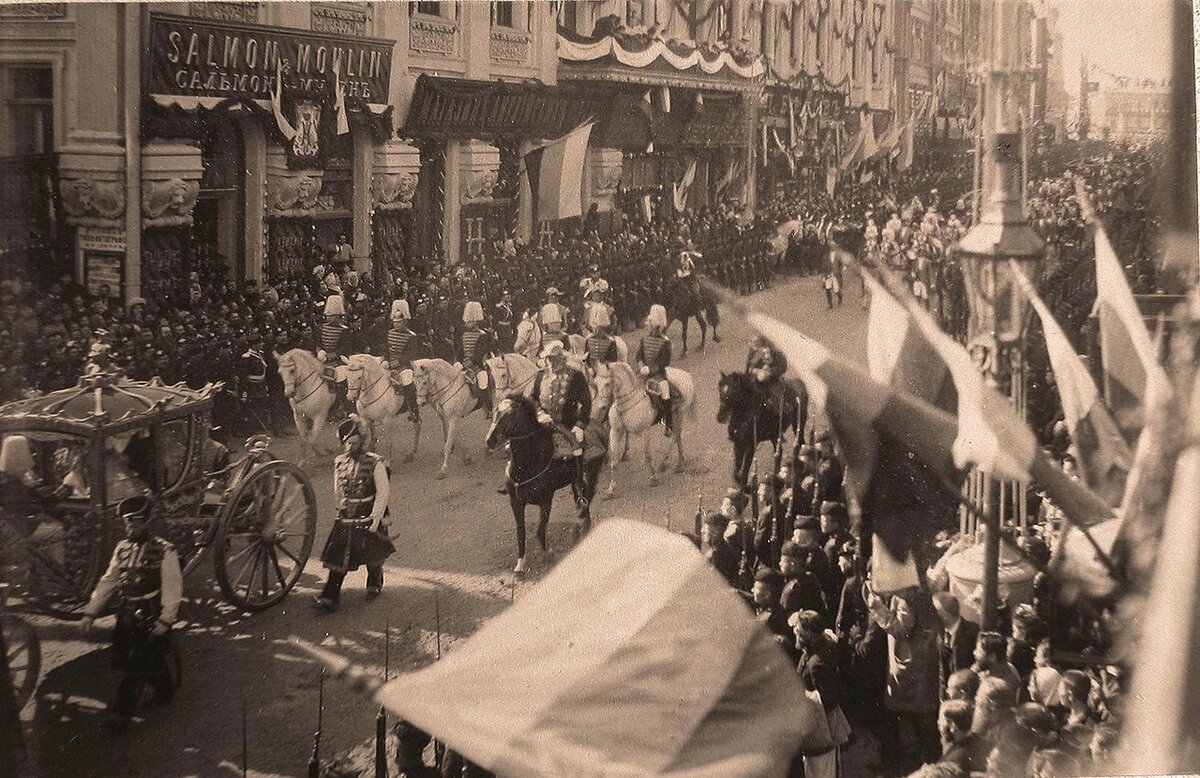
(254, 183)
(360, 199)
(395, 172)
(472, 170)
(92, 193)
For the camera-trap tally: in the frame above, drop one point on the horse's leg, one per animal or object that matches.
(301, 433)
(614, 434)
(412, 455)
(703, 330)
(448, 446)
(683, 321)
(466, 454)
(544, 522)
(518, 511)
(678, 435)
(649, 457)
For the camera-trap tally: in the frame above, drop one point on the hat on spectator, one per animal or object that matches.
(473, 312)
(334, 305)
(400, 310)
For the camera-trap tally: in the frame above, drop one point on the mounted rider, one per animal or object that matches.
(332, 331)
(565, 406)
(687, 264)
(766, 365)
(554, 317)
(653, 356)
(591, 288)
(601, 347)
(401, 351)
(474, 347)
(528, 342)
(596, 302)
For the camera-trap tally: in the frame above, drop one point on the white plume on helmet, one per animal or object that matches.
(657, 317)
(400, 310)
(472, 312)
(334, 305)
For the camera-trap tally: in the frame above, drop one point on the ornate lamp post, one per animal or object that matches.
(998, 311)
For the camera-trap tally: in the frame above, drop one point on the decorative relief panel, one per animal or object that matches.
(169, 203)
(293, 195)
(432, 36)
(91, 201)
(245, 12)
(477, 185)
(509, 46)
(33, 11)
(392, 191)
(342, 19)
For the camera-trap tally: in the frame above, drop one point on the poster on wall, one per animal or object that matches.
(102, 260)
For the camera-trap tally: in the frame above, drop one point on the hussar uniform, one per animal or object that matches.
(474, 345)
(401, 350)
(654, 355)
(564, 397)
(144, 573)
(601, 348)
(333, 329)
(553, 317)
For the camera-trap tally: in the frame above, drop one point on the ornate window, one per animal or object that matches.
(27, 118)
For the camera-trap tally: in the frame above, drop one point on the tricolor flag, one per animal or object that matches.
(664, 97)
(339, 99)
(854, 155)
(787, 154)
(556, 175)
(680, 190)
(594, 670)
(647, 209)
(732, 171)
(906, 148)
(870, 145)
(791, 123)
(1128, 357)
(285, 127)
(888, 142)
(647, 108)
(1103, 456)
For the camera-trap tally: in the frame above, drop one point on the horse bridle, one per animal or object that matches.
(435, 396)
(508, 371)
(364, 391)
(300, 382)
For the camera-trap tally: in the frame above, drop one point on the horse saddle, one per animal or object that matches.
(565, 445)
(653, 386)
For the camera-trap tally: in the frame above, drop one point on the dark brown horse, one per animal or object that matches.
(754, 412)
(535, 474)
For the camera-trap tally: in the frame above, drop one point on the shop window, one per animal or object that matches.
(428, 7)
(27, 93)
(503, 13)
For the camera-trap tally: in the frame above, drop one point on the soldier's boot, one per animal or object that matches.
(411, 403)
(657, 404)
(668, 415)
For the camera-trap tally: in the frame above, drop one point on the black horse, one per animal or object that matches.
(535, 474)
(687, 301)
(754, 412)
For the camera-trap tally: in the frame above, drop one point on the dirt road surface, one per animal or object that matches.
(455, 543)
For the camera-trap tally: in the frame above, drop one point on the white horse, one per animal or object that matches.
(633, 413)
(369, 387)
(511, 374)
(444, 388)
(308, 393)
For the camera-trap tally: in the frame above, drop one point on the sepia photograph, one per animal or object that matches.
(588, 388)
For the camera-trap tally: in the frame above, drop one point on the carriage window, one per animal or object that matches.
(174, 451)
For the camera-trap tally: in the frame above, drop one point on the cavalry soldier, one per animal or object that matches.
(361, 490)
(601, 348)
(654, 355)
(529, 336)
(565, 405)
(401, 350)
(554, 316)
(598, 301)
(144, 571)
(253, 384)
(764, 362)
(333, 330)
(502, 322)
(591, 281)
(687, 263)
(474, 345)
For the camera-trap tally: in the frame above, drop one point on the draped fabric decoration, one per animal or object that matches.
(642, 51)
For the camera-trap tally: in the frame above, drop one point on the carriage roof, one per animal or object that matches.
(122, 406)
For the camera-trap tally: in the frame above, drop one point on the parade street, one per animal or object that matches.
(455, 551)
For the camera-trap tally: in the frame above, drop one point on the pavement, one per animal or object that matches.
(456, 547)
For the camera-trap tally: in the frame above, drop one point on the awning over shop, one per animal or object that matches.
(462, 108)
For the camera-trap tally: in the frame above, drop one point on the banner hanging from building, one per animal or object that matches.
(196, 62)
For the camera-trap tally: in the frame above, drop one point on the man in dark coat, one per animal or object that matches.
(956, 640)
(565, 405)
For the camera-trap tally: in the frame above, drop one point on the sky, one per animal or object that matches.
(1125, 37)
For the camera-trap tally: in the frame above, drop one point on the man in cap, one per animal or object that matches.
(401, 350)
(361, 490)
(474, 345)
(653, 356)
(554, 317)
(565, 405)
(144, 571)
(252, 375)
(764, 599)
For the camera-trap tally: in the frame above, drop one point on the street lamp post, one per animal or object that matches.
(997, 308)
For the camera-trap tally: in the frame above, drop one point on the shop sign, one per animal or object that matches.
(102, 255)
(190, 57)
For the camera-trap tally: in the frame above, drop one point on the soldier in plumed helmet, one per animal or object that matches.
(554, 317)
(144, 573)
(361, 490)
(601, 347)
(474, 345)
(402, 345)
(653, 356)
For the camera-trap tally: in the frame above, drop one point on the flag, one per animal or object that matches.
(791, 123)
(765, 148)
(897, 450)
(339, 104)
(680, 190)
(647, 109)
(870, 145)
(1163, 708)
(556, 175)
(595, 666)
(699, 102)
(831, 179)
(1129, 361)
(664, 97)
(854, 155)
(888, 142)
(647, 209)
(732, 171)
(1104, 457)
(898, 355)
(906, 148)
(786, 153)
(285, 127)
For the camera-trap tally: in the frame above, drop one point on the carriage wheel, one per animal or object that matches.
(24, 656)
(66, 555)
(266, 534)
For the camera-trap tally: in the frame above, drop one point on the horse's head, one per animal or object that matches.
(725, 396)
(287, 371)
(356, 365)
(420, 368)
(498, 374)
(515, 418)
(602, 387)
